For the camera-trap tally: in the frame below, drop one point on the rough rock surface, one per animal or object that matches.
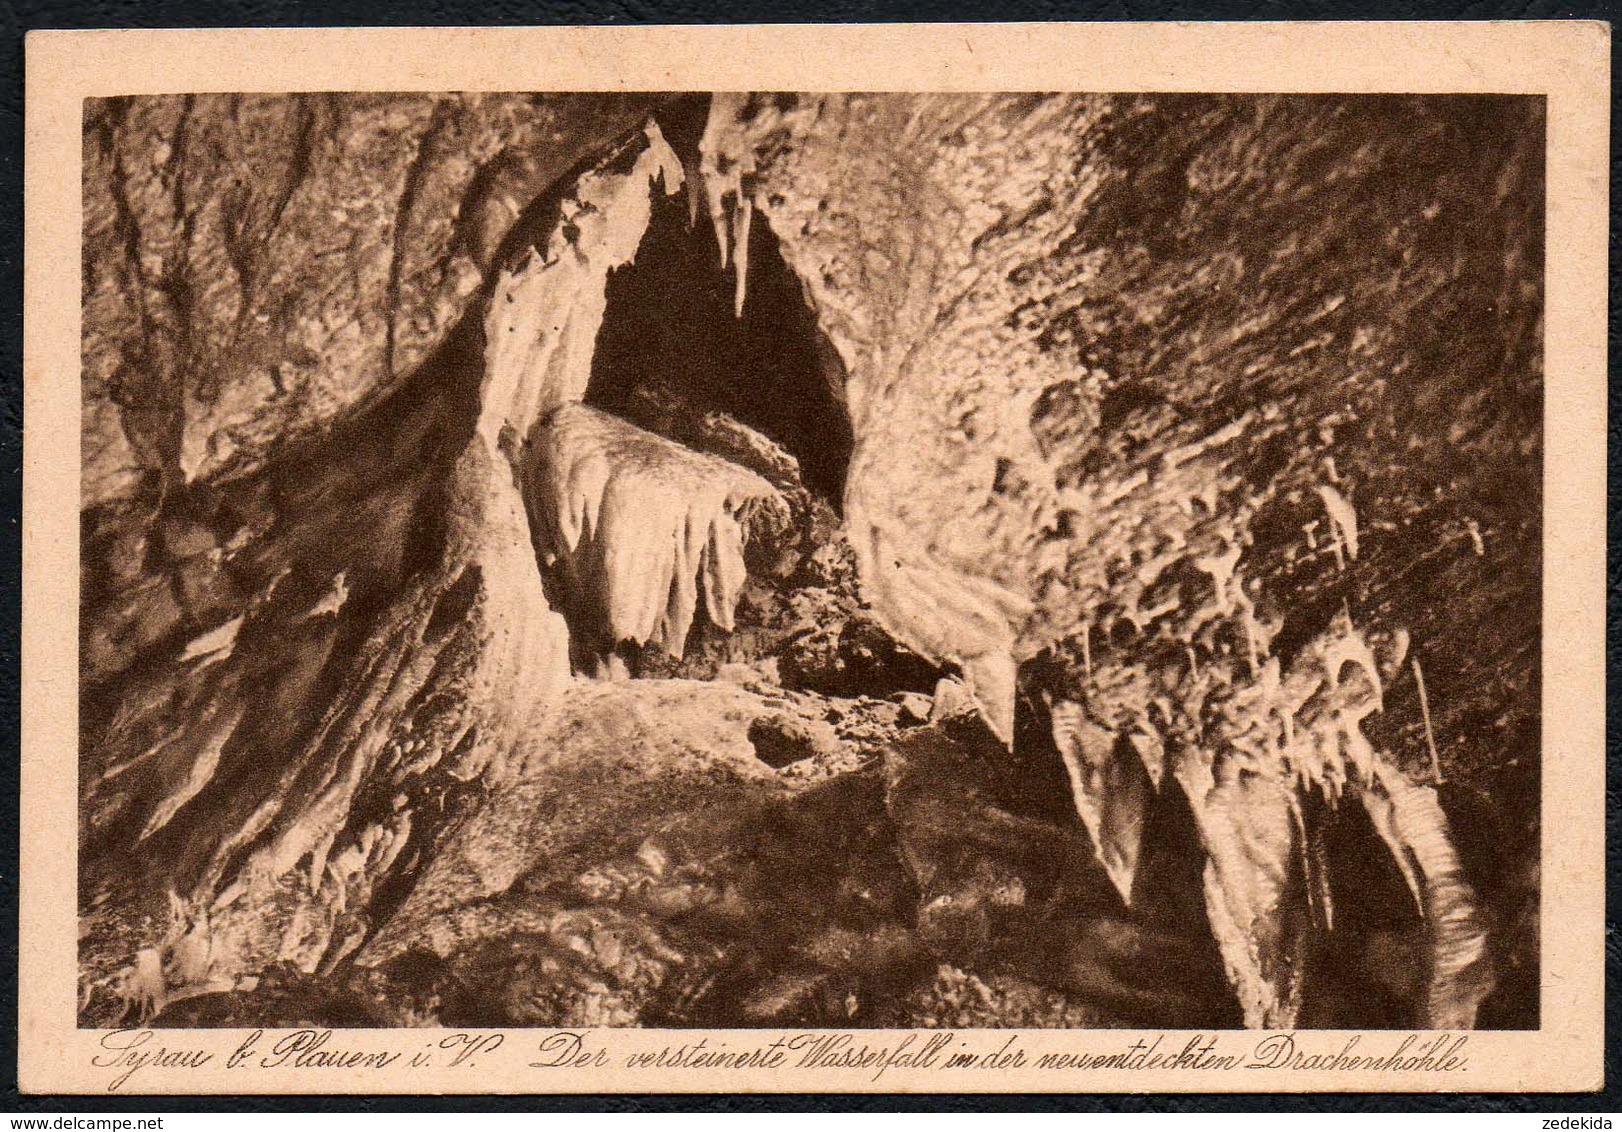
(291, 674)
(713, 888)
(1170, 383)
(258, 267)
(1190, 435)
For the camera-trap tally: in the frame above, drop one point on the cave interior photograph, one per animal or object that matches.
(898, 561)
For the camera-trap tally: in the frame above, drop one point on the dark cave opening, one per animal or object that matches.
(671, 348)
(758, 386)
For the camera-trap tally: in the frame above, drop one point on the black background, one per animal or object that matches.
(18, 18)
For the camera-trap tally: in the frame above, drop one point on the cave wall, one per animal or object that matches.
(1162, 396)
(310, 608)
(1164, 409)
(258, 266)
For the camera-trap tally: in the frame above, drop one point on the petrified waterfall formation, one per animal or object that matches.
(639, 528)
(1175, 464)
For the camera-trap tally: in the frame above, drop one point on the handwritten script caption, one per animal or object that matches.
(145, 1055)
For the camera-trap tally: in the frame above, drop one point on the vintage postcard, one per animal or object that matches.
(1053, 558)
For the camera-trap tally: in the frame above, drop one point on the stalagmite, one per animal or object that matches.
(637, 529)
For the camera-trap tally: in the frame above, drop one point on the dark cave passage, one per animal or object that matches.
(710, 449)
(671, 349)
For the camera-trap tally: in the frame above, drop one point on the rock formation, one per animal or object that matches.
(638, 527)
(1164, 650)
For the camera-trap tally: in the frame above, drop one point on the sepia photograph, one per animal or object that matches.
(854, 566)
(797, 559)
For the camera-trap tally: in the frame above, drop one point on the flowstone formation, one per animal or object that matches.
(1059, 560)
(639, 529)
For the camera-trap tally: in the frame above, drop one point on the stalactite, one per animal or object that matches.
(726, 167)
(1410, 819)
(743, 213)
(1255, 747)
(544, 314)
(1342, 517)
(1281, 739)
(1112, 783)
(1255, 894)
(639, 530)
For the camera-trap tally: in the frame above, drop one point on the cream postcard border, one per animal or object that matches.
(1568, 62)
